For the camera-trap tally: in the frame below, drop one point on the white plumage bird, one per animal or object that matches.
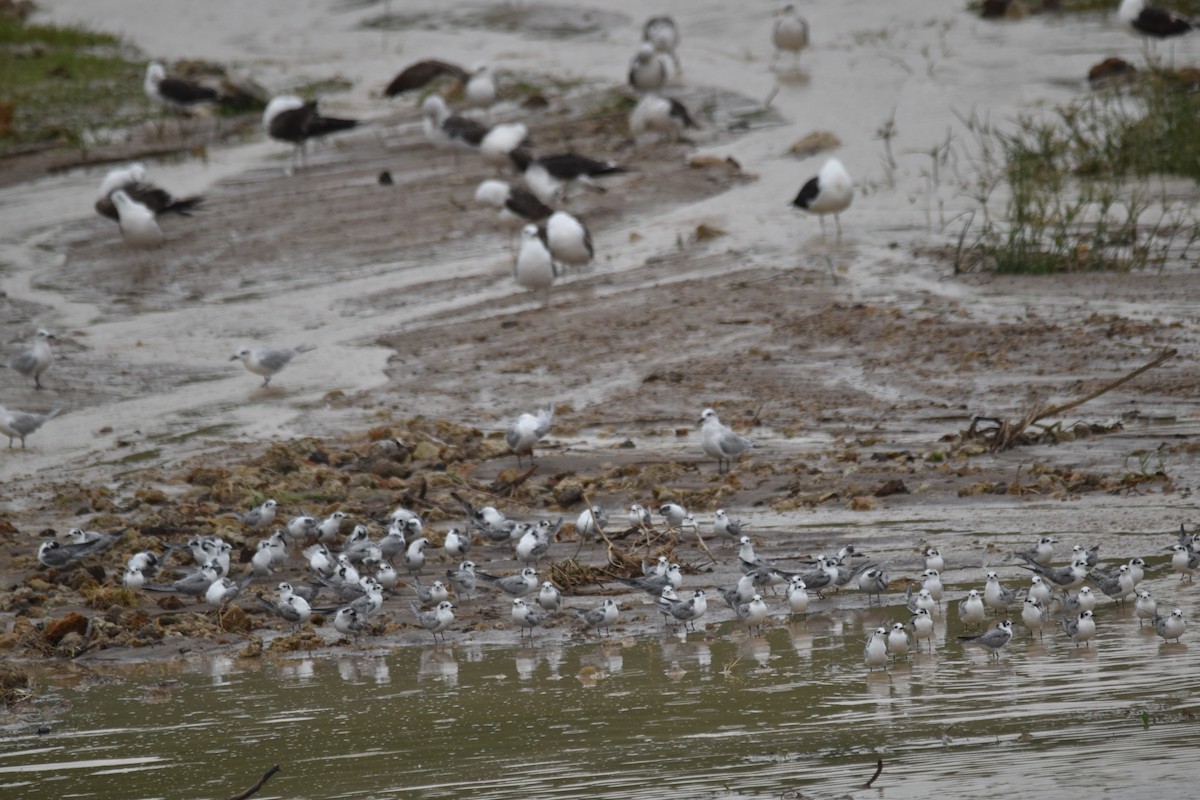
(721, 442)
(527, 430)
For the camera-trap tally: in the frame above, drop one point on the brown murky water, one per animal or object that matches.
(712, 714)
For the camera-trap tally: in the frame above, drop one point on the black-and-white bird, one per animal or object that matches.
(527, 430)
(719, 441)
(137, 221)
(33, 360)
(549, 177)
(515, 206)
(288, 118)
(655, 113)
(534, 268)
(1144, 20)
(480, 89)
(131, 179)
(569, 240)
(421, 74)
(19, 424)
(500, 141)
(830, 192)
(176, 93)
(444, 130)
(267, 362)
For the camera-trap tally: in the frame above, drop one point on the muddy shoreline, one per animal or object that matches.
(854, 363)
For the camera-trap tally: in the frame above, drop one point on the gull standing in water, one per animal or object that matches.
(830, 192)
(1080, 629)
(875, 653)
(1171, 626)
(993, 640)
(265, 362)
(922, 625)
(1035, 616)
(897, 641)
(1145, 607)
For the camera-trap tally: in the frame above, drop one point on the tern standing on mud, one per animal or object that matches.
(720, 442)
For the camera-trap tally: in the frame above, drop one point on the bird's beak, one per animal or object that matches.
(233, 358)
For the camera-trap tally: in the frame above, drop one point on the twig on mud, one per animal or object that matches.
(875, 777)
(1007, 434)
(261, 782)
(703, 546)
(498, 486)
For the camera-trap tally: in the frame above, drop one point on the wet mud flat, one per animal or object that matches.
(853, 380)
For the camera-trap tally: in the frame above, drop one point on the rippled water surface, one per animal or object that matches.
(716, 714)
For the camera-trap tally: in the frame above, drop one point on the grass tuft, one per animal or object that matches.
(1075, 182)
(57, 84)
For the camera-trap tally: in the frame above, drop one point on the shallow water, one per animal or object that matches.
(715, 714)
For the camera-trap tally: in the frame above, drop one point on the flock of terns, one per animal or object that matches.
(352, 577)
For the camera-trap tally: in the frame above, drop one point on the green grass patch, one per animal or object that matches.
(1077, 183)
(60, 84)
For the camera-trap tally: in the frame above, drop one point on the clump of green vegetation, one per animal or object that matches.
(59, 83)
(1074, 183)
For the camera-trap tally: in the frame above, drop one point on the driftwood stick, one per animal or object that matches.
(1005, 441)
(261, 782)
(875, 777)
